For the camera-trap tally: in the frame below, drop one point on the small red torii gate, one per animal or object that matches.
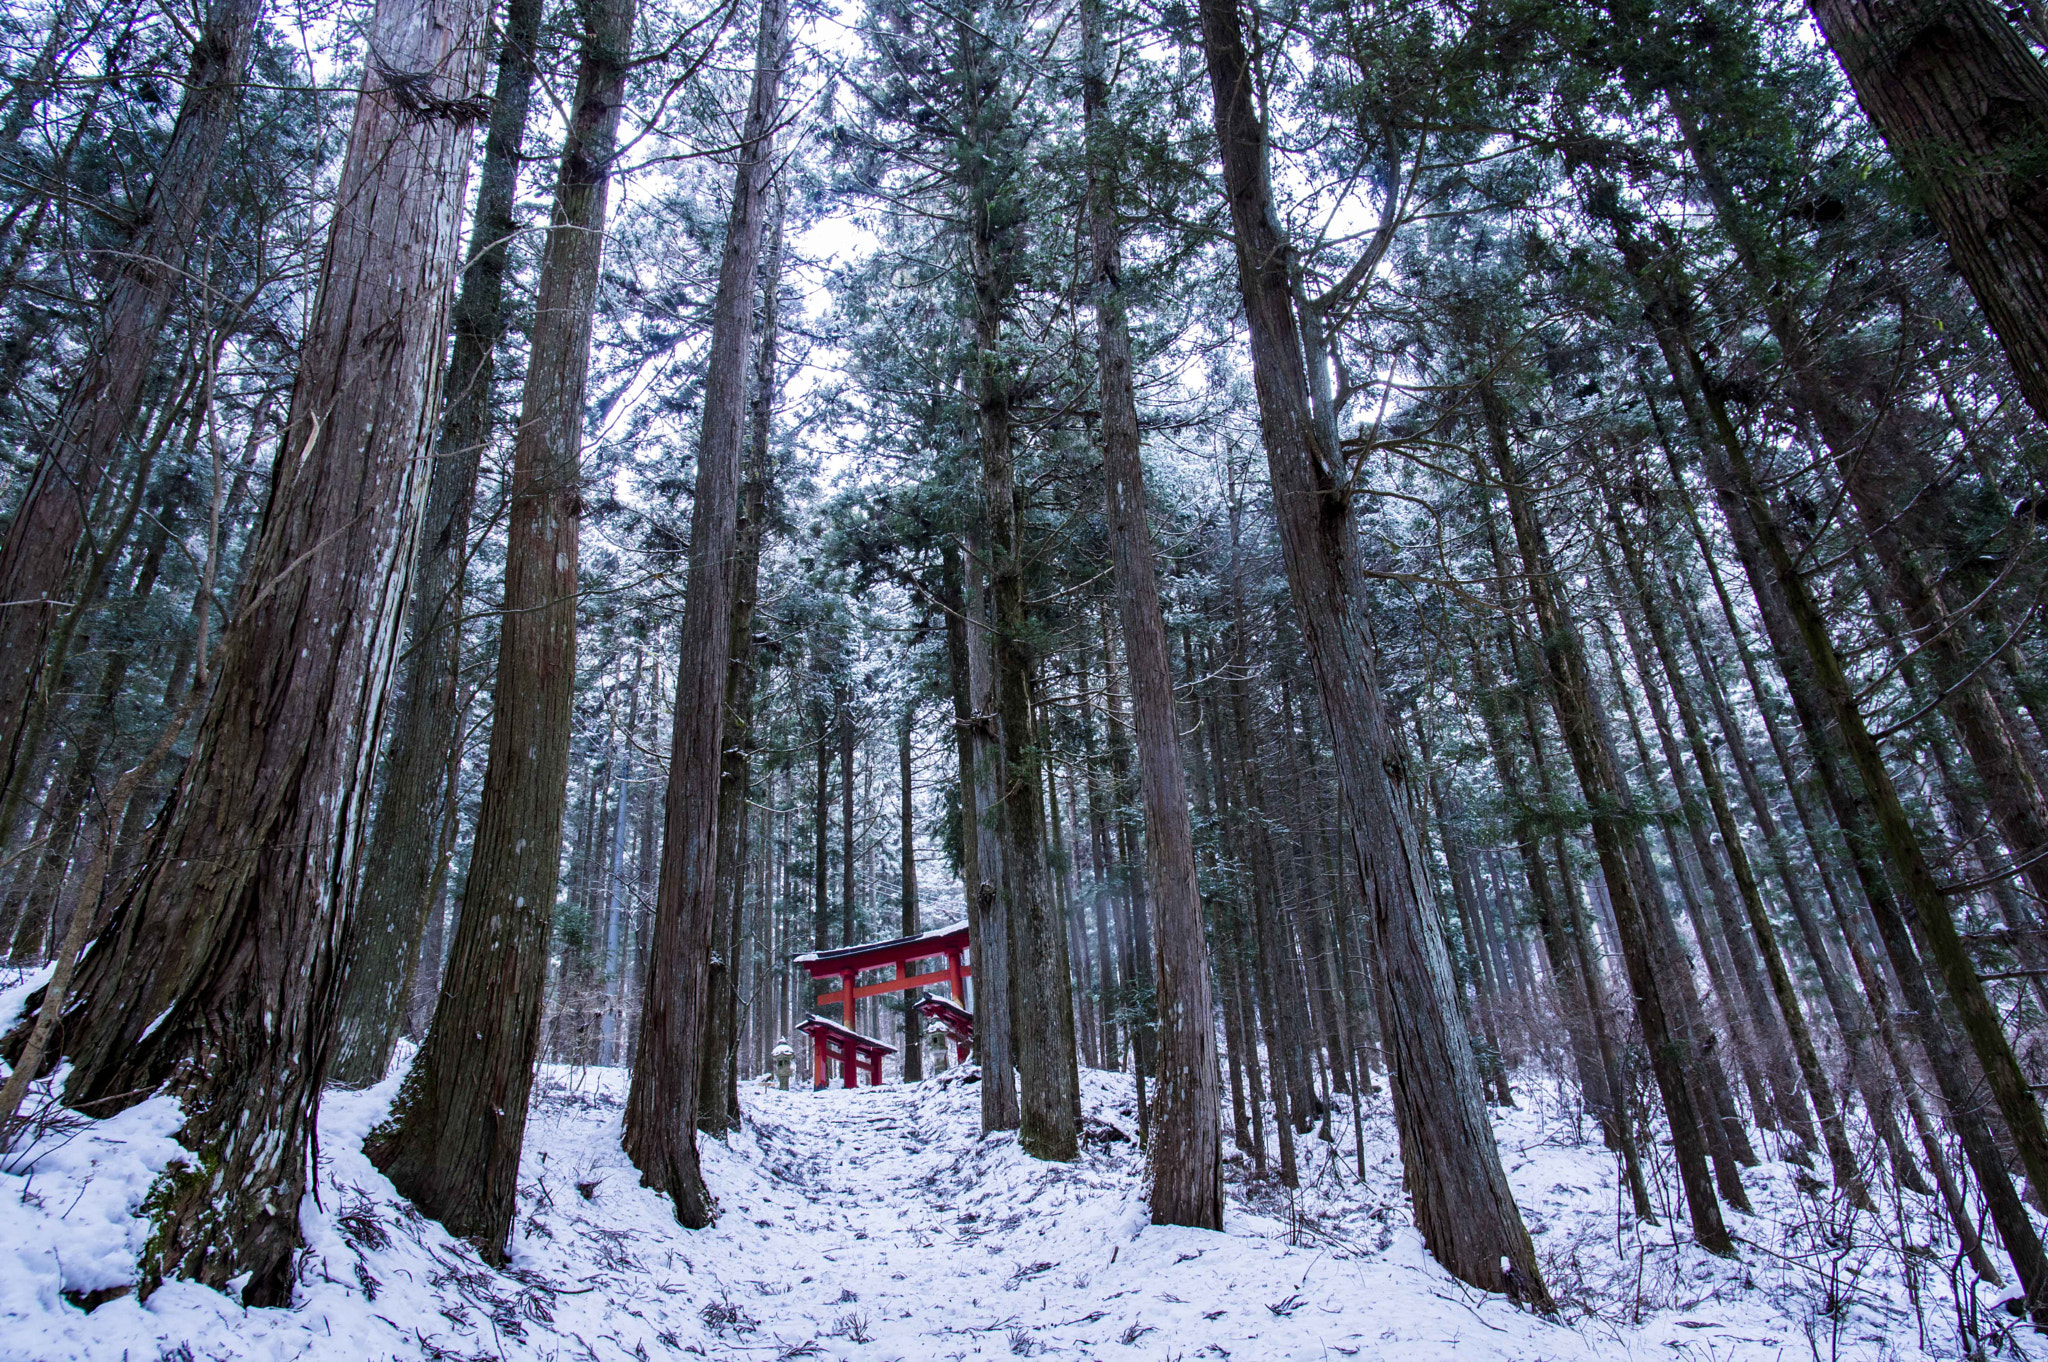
(847, 963)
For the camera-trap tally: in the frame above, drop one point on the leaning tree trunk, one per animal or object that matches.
(453, 1140)
(1606, 793)
(1186, 1145)
(219, 973)
(1963, 103)
(661, 1105)
(1463, 1205)
(73, 455)
(1841, 1157)
(402, 864)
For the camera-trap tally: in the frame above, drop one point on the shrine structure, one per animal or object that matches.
(832, 1040)
(956, 1021)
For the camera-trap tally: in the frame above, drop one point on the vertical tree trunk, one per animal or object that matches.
(981, 863)
(1048, 1075)
(661, 1105)
(401, 881)
(220, 971)
(906, 831)
(1463, 1206)
(847, 917)
(719, 1110)
(1963, 103)
(821, 827)
(453, 1139)
(73, 454)
(1185, 1146)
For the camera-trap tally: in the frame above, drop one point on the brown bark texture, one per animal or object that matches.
(219, 972)
(1962, 100)
(1463, 1205)
(453, 1139)
(1185, 1146)
(661, 1104)
(406, 854)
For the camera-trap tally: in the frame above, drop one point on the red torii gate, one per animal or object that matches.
(847, 963)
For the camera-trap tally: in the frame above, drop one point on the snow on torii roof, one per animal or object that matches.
(938, 938)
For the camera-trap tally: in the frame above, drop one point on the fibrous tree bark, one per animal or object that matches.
(402, 863)
(1462, 1202)
(661, 1104)
(453, 1140)
(1042, 1020)
(219, 973)
(1185, 1142)
(1962, 100)
(718, 1100)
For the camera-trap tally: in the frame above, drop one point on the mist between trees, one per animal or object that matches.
(1358, 547)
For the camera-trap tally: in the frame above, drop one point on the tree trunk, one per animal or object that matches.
(1048, 1075)
(220, 971)
(1185, 1147)
(401, 866)
(1962, 101)
(661, 1105)
(1600, 779)
(981, 864)
(718, 1100)
(453, 1140)
(1873, 821)
(1463, 1206)
(73, 454)
(848, 923)
(906, 831)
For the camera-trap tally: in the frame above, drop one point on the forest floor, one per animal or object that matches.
(878, 1224)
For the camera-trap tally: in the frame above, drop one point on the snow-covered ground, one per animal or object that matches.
(878, 1224)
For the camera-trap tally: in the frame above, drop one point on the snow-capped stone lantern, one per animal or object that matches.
(785, 1059)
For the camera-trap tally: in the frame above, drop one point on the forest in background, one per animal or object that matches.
(1429, 546)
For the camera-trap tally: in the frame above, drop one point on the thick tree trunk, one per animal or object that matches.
(718, 1099)
(453, 1140)
(74, 453)
(220, 971)
(402, 863)
(661, 1105)
(1185, 1145)
(1048, 1074)
(1462, 1202)
(981, 862)
(1963, 103)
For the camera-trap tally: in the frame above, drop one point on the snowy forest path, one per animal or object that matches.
(880, 1225)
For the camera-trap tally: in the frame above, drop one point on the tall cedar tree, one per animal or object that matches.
(1463, 1205)
(661, 1104)
(452, 1142)
(219, 974)
(1185, 1147)
(403, 865)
